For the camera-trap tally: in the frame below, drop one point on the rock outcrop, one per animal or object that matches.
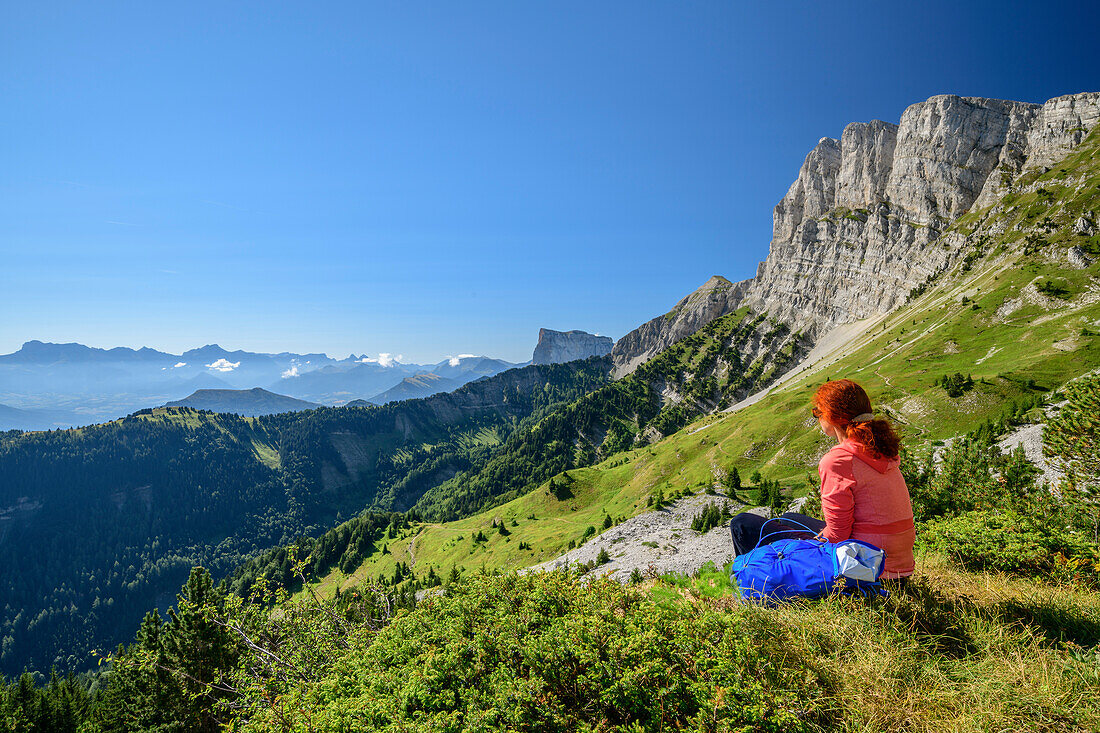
(558, 347)
(717, 297)
(861, 226)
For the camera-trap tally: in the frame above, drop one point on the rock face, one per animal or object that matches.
(861, 226)
(557, 347)
(717, 297)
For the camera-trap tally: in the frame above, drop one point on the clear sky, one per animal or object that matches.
(438, 178)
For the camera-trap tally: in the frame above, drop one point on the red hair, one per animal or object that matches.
(841, 401)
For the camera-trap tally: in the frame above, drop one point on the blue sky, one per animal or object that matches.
(429, 179)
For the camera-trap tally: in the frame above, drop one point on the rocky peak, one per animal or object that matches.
(717, 297)
(556, 347)
(861, 225)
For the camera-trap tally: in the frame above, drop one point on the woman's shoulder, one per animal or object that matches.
(838, 459)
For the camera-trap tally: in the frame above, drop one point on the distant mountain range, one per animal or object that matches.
(47, 385)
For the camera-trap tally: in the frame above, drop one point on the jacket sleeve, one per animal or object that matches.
(837, 501)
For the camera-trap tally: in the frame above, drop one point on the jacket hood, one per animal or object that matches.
(882, 465)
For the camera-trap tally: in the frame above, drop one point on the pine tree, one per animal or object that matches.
(1073, 437)
(733, 482)
(775, 495)
(761, 493)
(165, 681)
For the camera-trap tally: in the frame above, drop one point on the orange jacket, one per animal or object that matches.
(865, 498)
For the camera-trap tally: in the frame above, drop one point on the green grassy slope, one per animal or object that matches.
(723, 362)
(986, 317)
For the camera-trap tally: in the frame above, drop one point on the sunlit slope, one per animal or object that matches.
(1019, 314)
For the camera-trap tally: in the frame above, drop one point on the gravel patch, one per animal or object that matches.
(1031, 438)
(656, 542)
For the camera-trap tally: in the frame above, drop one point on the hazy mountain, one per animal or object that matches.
(468, 368)
(417, 386)
(88, 384)
(336, 384)
(13, 418)
(39, 352)
(248, 402)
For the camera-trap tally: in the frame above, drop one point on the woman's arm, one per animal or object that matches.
(837, 500)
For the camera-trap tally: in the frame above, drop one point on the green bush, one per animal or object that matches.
(955, 384)
(1004, 541)
(543, 652)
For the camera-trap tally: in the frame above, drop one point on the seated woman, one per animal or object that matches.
(863, 494)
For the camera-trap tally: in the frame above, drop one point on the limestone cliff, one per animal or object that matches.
(557, 347)
(861, 225)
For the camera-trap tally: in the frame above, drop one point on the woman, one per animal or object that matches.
(863, 494)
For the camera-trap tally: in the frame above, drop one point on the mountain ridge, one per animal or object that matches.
(859, 229)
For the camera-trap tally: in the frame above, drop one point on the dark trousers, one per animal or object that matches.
(746, 527)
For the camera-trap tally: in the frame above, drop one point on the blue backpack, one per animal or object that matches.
(791, 568)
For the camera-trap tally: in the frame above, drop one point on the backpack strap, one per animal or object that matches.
(782, 531)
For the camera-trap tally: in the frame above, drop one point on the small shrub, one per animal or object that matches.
(955, 384)
(711, 516)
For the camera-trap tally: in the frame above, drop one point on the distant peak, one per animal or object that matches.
(714, 282)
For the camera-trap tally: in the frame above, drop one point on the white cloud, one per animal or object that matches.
(292, 372)
(385, 359)
(454, 360)
(223, 365)
(179, 364)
